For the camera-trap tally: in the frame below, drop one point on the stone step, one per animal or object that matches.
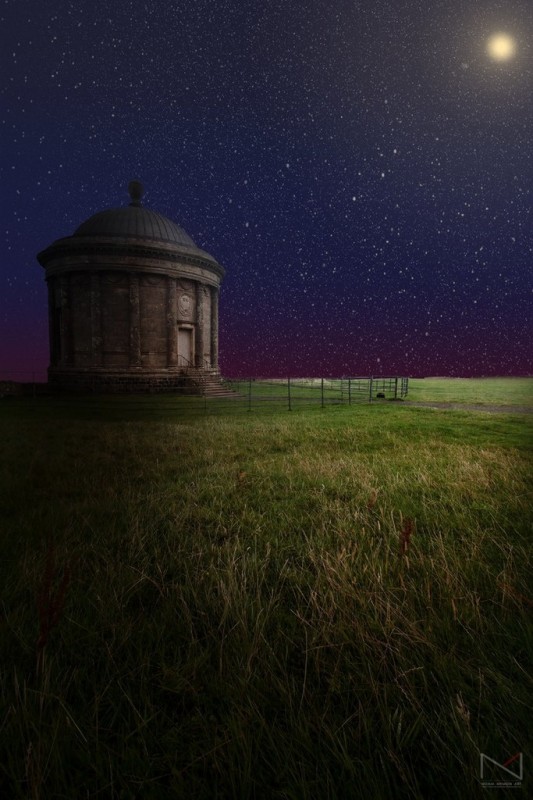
(219, 391)
(209, 383)
(222, 395)
(215, 389)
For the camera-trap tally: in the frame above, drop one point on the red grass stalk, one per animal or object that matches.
(516, 595)
(50, 603)
(405, 535)
(372, 500)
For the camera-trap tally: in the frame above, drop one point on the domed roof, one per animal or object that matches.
(135, 221)
(139, 232)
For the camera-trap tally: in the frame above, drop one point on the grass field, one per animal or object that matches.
(325, 604)
(479, 391)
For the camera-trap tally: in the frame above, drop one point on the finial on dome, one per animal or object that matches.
(136, 191)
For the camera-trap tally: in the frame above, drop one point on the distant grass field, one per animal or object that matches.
(478, 391)
(325, 604)
(269, 395)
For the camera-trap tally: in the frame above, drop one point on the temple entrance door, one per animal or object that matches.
(185, 353)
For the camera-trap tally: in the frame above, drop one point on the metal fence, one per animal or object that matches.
(294, 392)
(17, 382)
(26, 376)
(242, 394)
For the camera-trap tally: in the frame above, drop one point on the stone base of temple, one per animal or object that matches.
(179, 380)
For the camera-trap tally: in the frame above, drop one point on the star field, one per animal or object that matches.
(362, 170)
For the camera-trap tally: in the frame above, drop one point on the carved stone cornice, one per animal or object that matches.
(74, 247)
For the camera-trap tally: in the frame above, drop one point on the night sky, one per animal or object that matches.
(363, 170)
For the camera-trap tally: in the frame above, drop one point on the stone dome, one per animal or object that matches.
(135, 221)
(132, 226)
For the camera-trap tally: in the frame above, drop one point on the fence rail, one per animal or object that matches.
(17, 382)
(23, 376)
(293, 392)
(235, 394)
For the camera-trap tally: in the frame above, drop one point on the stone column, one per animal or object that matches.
(199, 346)
(51, 320)
(214, 327)
(172, 316)
(65, 324)
(96, 320)
(135, 322)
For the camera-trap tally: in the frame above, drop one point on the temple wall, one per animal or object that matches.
(123, 330)
(123, 320)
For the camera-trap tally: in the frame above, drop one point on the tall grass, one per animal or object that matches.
(321, 605)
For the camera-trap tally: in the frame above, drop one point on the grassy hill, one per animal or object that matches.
(309, 605)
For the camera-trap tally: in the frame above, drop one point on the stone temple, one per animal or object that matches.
(133, 305)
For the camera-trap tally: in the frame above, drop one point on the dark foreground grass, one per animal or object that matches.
(329, 604)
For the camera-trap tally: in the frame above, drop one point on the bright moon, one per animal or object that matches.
(501, 47)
